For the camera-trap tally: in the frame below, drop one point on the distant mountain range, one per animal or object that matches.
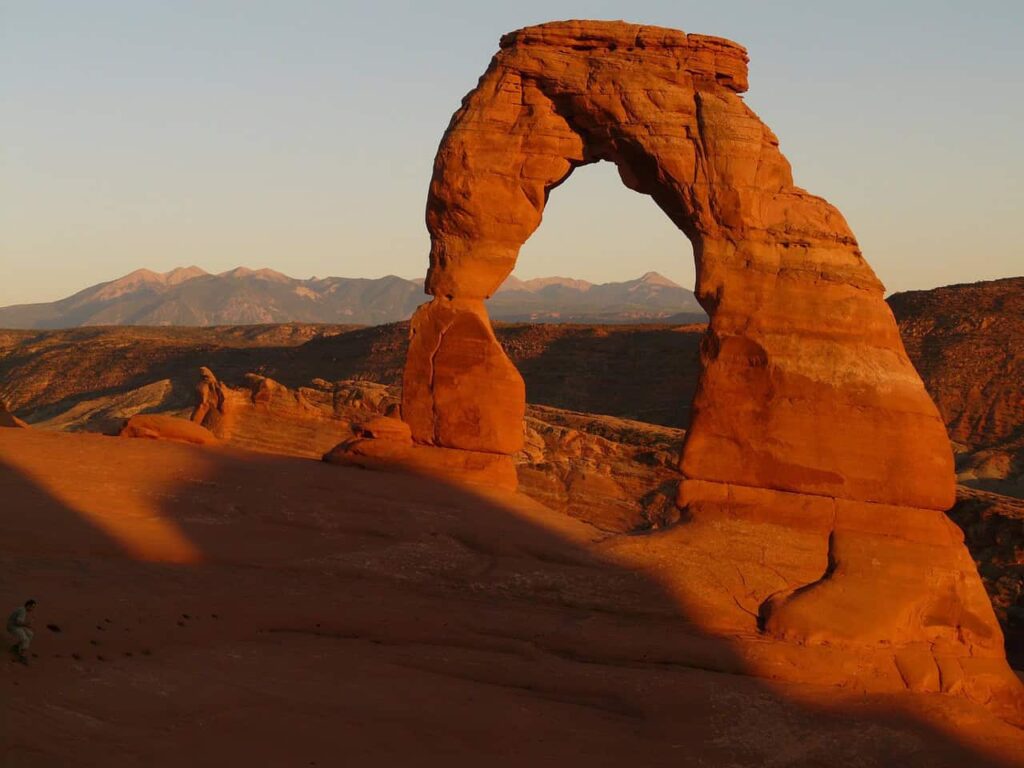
(190, 296)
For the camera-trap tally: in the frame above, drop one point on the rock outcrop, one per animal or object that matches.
(967, 342)
(386, 443)
(98, 362)
(8, 419)
(267, 416)
(618, 475)
(994, 528)
(155, 426)
(816, 468)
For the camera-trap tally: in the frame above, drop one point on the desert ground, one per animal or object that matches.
(221, 607)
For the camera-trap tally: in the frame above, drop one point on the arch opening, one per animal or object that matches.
(596, 233)
(609, 372)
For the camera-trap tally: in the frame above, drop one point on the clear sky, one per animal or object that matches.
(299, 135)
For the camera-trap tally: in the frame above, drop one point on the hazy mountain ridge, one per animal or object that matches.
(651, 297)
(190, 296)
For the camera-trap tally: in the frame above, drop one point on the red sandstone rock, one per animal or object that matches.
(474, 467)
(615, 474)
(460, 389)
(806, 386)
(8, 419)
(385, 428)
(505, 617)
(158, 427)
(267, 416)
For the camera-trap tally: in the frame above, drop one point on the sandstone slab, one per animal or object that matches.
(159, 427)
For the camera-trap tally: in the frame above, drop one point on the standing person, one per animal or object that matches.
(19, 627)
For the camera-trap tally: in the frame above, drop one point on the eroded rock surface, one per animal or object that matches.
(399, 621)
(967, 342)
(618, 475)
(156, 426)
(267, 416)
(993, 525)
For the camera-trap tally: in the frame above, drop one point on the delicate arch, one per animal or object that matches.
(815, 466)
(806, 386)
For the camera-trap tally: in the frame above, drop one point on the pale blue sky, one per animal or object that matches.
(300, 135)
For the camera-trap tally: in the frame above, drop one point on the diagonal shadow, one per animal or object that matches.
(338, 615)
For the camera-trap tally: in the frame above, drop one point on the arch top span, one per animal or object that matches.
(717, 57)
(662, 105)
(565, 94)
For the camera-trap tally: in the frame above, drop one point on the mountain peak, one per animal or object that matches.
(654, 278)
(262, 274)
(181, 274)
(142, 275)
(140, 279)
(144, 279)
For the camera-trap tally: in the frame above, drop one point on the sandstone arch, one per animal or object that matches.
(806, 385)
(813, 449)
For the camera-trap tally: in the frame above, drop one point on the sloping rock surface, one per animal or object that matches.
(967, 342)
(266, 416)
(223, 607)
(155, 426)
